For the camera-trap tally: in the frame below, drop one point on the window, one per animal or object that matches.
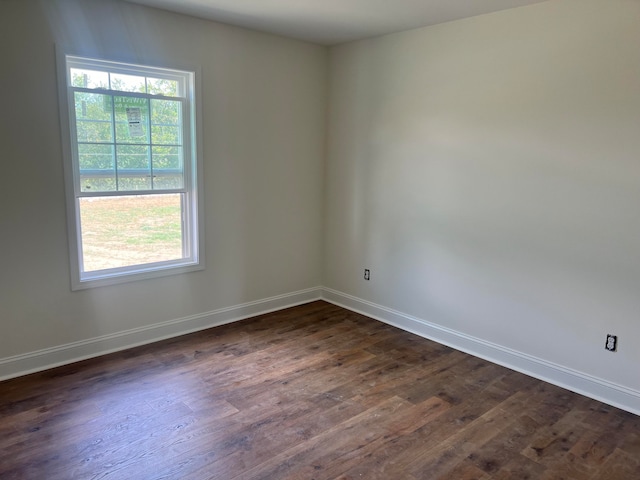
(132, 172)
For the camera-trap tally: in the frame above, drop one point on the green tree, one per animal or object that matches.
(112, 154)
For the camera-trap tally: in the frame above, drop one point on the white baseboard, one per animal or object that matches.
(596, 388)
(24, 364)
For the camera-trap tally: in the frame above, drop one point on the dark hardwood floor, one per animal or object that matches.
(311, 392)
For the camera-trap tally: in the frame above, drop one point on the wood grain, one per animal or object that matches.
(311, 392)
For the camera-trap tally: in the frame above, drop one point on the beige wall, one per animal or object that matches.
(263, 112)
(487, 171)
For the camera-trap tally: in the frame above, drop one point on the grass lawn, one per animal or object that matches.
(132, 230)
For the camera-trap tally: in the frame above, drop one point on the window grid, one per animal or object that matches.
(151, 147)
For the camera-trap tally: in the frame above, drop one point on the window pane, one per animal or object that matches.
(132, 119)
(130, 230)
(162, 86)
(93, 117)
(134, 167)
(89, 78)
(165, 122)
(167, 167)
(97, 168)
(128, 83)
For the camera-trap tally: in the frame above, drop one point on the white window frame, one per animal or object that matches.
(193, 225)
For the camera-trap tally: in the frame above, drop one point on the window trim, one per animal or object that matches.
(193, 236)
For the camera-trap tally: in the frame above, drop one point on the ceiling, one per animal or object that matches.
(329, 22)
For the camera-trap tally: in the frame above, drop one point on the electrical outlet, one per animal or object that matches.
(367, 274)
(612, 343)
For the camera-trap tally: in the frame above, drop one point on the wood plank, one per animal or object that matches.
(311, 392)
